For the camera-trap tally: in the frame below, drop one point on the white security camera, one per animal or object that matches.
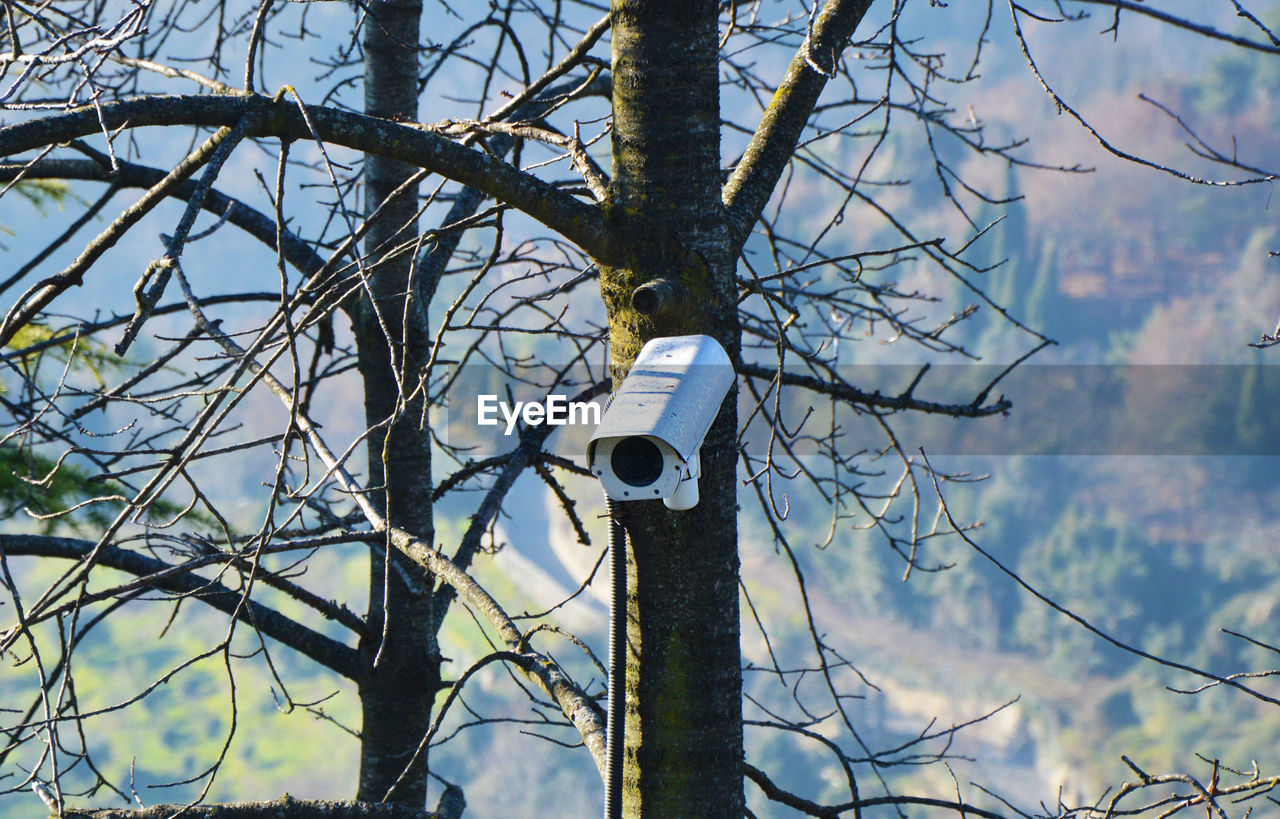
(646, 445)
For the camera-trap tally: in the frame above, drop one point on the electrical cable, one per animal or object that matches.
(615, 739)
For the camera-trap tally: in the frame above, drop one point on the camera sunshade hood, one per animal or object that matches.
(673, 393)
(670, 398)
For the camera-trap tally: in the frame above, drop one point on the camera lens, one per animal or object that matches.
(636, 461)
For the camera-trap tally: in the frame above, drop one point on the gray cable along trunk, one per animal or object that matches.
(617, 658)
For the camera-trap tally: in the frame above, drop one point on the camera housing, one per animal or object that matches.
(647, 444)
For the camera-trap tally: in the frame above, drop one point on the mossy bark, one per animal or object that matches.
(684, 729)
(284, 808)
(401, 661)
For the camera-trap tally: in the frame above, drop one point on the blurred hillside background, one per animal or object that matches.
(1122, 265)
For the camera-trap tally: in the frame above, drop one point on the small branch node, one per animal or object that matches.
(659, 298)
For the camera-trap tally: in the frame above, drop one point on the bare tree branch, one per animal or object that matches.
(178, 579)
(773, 144)
(414, 145)
(301, 255)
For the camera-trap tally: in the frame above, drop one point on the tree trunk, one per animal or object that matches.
(402, 672)
(683, 685)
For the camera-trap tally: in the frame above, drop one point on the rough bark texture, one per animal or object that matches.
(684, 731)
(403, 666)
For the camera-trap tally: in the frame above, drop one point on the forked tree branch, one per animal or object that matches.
(44, 292)
(179, 580)
(877, 400)
(578, 708)
(1185, 23)
(808, 808)
(576, 220)
(752, 182)
(296, 251)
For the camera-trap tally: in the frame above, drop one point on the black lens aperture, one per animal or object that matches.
(636, 461)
